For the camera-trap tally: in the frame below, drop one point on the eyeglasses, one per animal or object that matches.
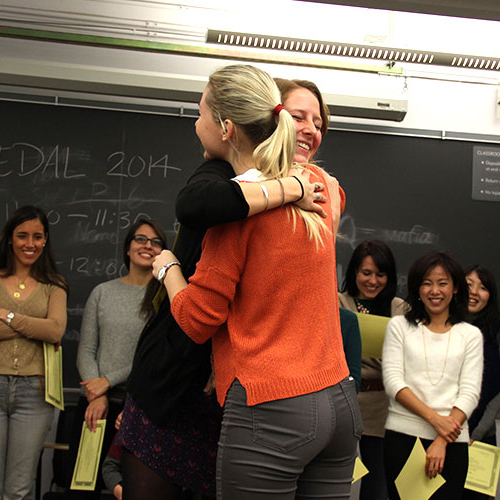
(142, 240)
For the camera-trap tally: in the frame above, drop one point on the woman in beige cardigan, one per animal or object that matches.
(32, 311)
(369, 287)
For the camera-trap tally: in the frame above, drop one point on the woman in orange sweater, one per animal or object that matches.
(263, 291)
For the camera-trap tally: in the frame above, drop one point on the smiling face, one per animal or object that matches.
(436, 292)
(369, 279)
(209, 132)
(28, 240)
(478, 293)
(303, 105)
(143, 254)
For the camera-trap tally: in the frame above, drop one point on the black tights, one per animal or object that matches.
(140, 482)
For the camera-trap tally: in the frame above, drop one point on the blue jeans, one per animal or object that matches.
(25, 420)
(295, 448)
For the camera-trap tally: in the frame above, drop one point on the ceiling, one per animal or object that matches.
(476, 9)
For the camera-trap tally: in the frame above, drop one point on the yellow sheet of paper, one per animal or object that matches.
(54, 393)
(372, 328)
(159, 297)
(87, 461)
(484, 467)
(359, 471)
(412, 483)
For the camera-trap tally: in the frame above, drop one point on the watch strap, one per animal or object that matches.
(163, 271)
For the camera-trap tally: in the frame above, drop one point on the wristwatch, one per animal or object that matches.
(10, 317)
(163, 270)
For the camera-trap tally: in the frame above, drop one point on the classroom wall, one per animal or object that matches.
(439, 99)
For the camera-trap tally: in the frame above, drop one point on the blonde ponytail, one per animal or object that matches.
(248, 97)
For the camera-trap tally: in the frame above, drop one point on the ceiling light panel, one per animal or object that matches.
(327, 48)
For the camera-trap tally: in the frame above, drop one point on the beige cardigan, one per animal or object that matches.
(374, 405)
(41, 317)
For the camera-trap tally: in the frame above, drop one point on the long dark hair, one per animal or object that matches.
(487, 320)
(384, 260)
(44, 269)
(147, 309)
(155, 226)
(419, 269)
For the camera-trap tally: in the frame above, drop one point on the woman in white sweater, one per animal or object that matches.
(432, 368)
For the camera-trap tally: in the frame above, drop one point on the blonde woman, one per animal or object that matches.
(291, 420)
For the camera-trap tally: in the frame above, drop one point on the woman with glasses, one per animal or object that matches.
(111, 325)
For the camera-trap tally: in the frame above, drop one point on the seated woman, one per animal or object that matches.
(280, 385)
(32, 311)
(432, 364)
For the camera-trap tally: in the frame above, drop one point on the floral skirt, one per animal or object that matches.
(186, 454)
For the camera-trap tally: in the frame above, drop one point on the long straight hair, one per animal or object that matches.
(44, 269)
(487, 320)
(147, 309)
(248, 96)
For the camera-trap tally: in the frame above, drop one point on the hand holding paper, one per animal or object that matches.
(412, 482)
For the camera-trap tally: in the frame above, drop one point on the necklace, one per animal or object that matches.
(21, 285)
(445, 359)
(361, 308)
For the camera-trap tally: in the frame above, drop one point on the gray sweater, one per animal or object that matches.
(111, 327)
(486, 426)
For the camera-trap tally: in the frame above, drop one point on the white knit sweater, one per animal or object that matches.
(404, 365)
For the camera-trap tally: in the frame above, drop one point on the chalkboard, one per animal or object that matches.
(96, 171)
(415, 195)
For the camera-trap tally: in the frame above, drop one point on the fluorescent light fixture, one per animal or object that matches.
(327, 48)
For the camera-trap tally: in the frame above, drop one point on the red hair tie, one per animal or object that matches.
(277, 109)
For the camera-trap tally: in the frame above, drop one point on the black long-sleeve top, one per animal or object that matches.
(168, 366)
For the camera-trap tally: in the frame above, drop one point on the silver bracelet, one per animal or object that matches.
(266, 194)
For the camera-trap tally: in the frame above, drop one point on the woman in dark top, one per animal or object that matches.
(485, 314)
(168, 419)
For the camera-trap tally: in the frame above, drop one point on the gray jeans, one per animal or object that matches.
(25, 420)
(296, 448)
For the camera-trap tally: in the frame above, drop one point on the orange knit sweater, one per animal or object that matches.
(268, 297)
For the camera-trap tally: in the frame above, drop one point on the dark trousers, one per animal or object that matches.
(373, 485)
(397, 448)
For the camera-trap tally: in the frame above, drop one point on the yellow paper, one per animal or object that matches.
(158, 298)
(54, 393)
(359, 471)
(412, 482)
(484, 467)
(372, 328)
(87, 461)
